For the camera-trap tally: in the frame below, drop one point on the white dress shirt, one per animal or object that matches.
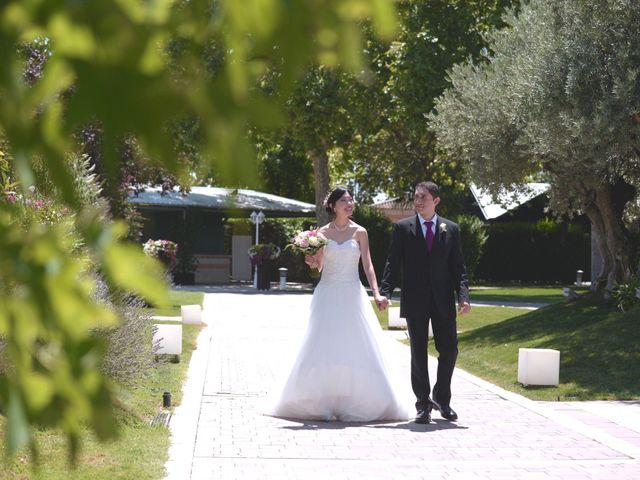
(433, 219)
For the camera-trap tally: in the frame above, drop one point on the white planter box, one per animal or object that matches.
(396, 321)
(538, 366)
(191, 314)
(168, 338)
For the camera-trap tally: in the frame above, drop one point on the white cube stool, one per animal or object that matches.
(538, 366)
(168, 338)
(191, 314)
(395, 320)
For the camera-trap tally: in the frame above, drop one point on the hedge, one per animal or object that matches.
(545, 251)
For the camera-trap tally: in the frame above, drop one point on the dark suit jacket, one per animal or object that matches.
(408, 267)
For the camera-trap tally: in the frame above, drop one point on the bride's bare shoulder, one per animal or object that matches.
(360, 233)
(359, 228)
(324, 231)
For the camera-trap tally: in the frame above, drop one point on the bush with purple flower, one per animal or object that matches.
(164, 250)
(263, 252)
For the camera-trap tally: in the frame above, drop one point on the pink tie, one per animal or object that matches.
(429, 236)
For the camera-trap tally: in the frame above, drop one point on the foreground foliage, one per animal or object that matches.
(139, 450)
(106, 62)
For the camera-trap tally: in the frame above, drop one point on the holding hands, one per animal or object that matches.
(381, 301)
(464, 307)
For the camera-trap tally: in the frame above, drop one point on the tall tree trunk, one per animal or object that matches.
(320, 162)
(610, 236)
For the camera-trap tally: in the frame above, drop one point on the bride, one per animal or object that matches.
(342, 371)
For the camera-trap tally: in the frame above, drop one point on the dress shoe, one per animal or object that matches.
(423, 416)
(446, 411)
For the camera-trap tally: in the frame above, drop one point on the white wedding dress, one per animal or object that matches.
(342, 371)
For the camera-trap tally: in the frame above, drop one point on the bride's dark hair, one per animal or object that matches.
(335, 195)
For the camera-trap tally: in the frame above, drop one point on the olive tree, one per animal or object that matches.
(557, 95)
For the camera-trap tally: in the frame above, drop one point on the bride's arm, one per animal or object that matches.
(365, 255)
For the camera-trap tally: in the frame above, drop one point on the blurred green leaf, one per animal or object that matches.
(109, 63)
(132, 270)
(40, 388)
(17, 423)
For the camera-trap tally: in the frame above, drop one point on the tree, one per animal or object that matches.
(110, 68)
(317, 122)
(285, 170)
(558, 94)
(368, 130)
(393, 147)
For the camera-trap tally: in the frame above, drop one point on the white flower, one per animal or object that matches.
(314, 241)
(443, 227)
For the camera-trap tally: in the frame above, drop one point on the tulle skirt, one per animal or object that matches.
(345, 368)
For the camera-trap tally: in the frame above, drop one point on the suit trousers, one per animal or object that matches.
(446, 342)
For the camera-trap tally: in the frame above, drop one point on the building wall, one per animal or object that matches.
(241, 265)
(213, 269)
(201, 231)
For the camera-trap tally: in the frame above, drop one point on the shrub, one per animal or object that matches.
(128, 345)
(544, 251)
(129, 353)
(3, 358)
(473, 237)
(262, 253)
(129, 350)
(163, 250)
(380, 230)
(625, 295)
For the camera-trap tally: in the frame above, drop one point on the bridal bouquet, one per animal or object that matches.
(307, 242)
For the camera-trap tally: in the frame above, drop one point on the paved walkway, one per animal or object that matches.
(218, 432)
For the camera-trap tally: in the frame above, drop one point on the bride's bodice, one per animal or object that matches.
(341, 261)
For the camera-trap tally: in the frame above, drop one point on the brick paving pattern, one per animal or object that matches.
(219, 432)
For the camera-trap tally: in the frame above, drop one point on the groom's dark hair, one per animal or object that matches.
(430, 187)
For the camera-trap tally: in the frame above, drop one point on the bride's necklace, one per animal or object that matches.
(340, 229)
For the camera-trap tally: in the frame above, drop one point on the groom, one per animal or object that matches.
(425, 260)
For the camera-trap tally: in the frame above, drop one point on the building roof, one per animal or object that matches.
(233, 202)
(506, 201)
(489, 208)
(393, 204)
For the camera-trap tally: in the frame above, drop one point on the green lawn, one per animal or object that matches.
(599, 357)
(522, 294)
(141, 450)
(517, 294)
(478, 316)
(176, 299)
